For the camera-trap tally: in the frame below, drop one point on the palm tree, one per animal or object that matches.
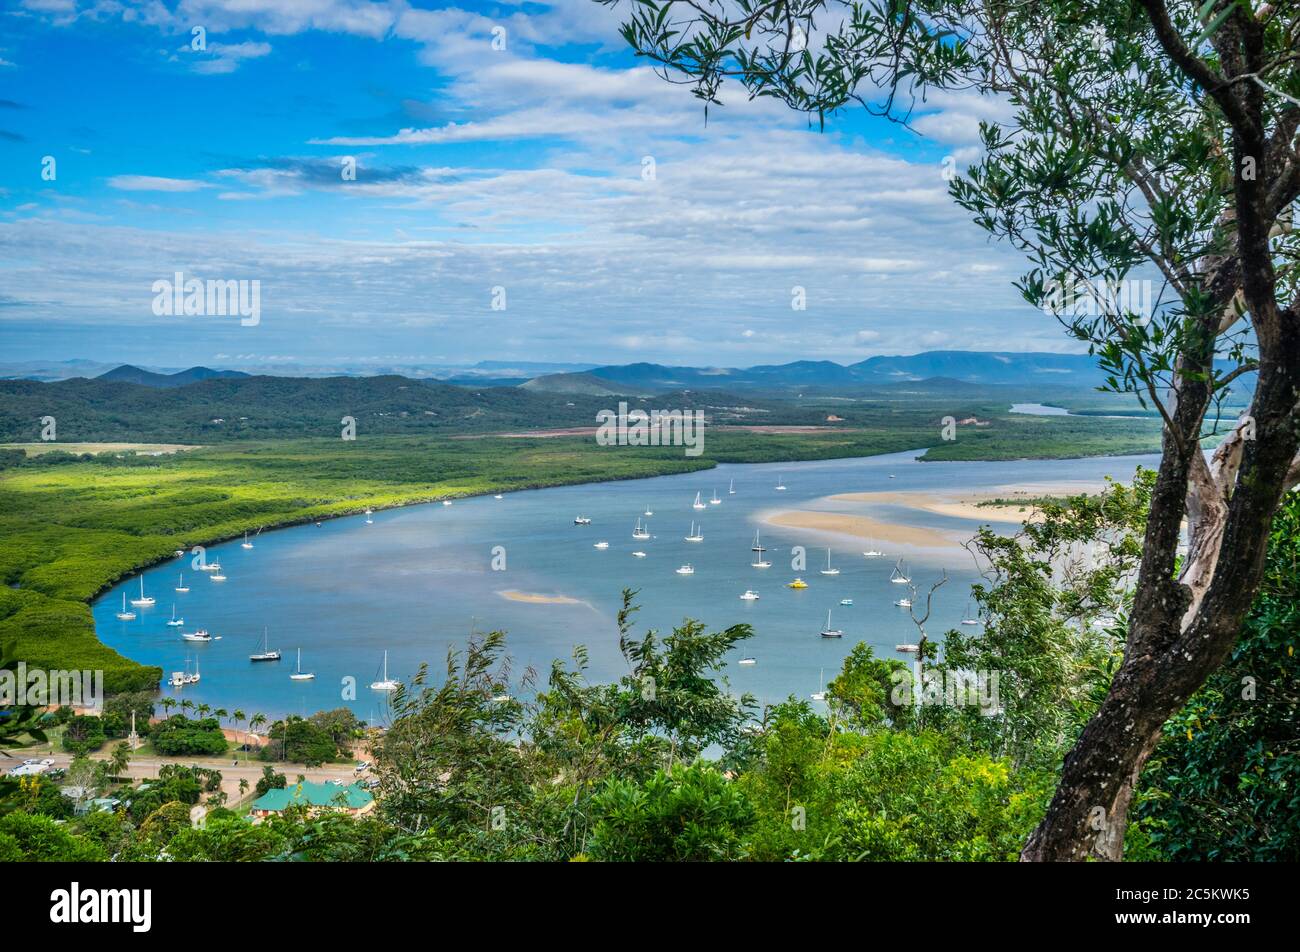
(257, 721)
(238, 718)
(204, 710)
(119, 759)
(167, 704)
(187, 705)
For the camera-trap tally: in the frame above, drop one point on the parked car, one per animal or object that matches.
(361, 767)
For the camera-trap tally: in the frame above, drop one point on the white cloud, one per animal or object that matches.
(154, 183)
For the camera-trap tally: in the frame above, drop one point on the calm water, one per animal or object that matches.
(418, 580)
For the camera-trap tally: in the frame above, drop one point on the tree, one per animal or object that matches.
(1148, 138)
(690, 814)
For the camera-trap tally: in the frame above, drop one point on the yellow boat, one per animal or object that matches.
(797, 583)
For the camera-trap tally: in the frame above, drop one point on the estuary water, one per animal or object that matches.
(418, 581)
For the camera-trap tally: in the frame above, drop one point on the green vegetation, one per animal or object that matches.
(179, 736)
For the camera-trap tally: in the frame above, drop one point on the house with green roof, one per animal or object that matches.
(353, 799)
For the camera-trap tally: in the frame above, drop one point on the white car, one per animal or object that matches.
(361, 767)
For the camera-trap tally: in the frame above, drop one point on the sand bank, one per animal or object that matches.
(536, 598)
(862, 527)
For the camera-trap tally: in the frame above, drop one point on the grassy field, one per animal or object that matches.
(71, 527)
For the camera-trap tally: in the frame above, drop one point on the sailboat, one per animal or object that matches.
(821, 691)
(696, 535)
(246, 544)
(175, 622)
(648, 512)
(385, 683)
(180, 584)
(125, 615)
(907, 649)
(747, 660)
(144, 600)
(602, 544)
(757, 546)
(731, 490)
(899, 576)
(266, 654)
(639, 533)
(218, 577)
(969, 619)
(828, 570)
(714, 500)
(872, 552)
(698, 504)
(780, 485)
(828, 631)
(300, 674)
(213, 566)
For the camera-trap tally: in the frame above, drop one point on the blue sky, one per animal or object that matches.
(519, 168)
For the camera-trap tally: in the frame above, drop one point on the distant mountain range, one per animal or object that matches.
(971, 367)
(128, 374)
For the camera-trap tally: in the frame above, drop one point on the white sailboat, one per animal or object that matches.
(969, 619)
(640, 533)
(697, 535)
(699, 503)
(828, 570)
(714, 500)
(899, 576)
(180, 584)
(780, 485)
(638, 554)
(217, 577)
(175, 622)
(828, 631)
(300, 674)
(385, 683)
(872, 552)
(266, 654)
(246, 544)
(602, 544)
(747, 661)
(648, 512)
(210, 567)
(144, 601)
(125, 615)
(731, 489)
(821, 691)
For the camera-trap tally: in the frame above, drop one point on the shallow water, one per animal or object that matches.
(418, 580)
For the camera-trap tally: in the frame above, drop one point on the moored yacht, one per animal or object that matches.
(144, 601)
(828, 631)
(385, 683)
(125, 615)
